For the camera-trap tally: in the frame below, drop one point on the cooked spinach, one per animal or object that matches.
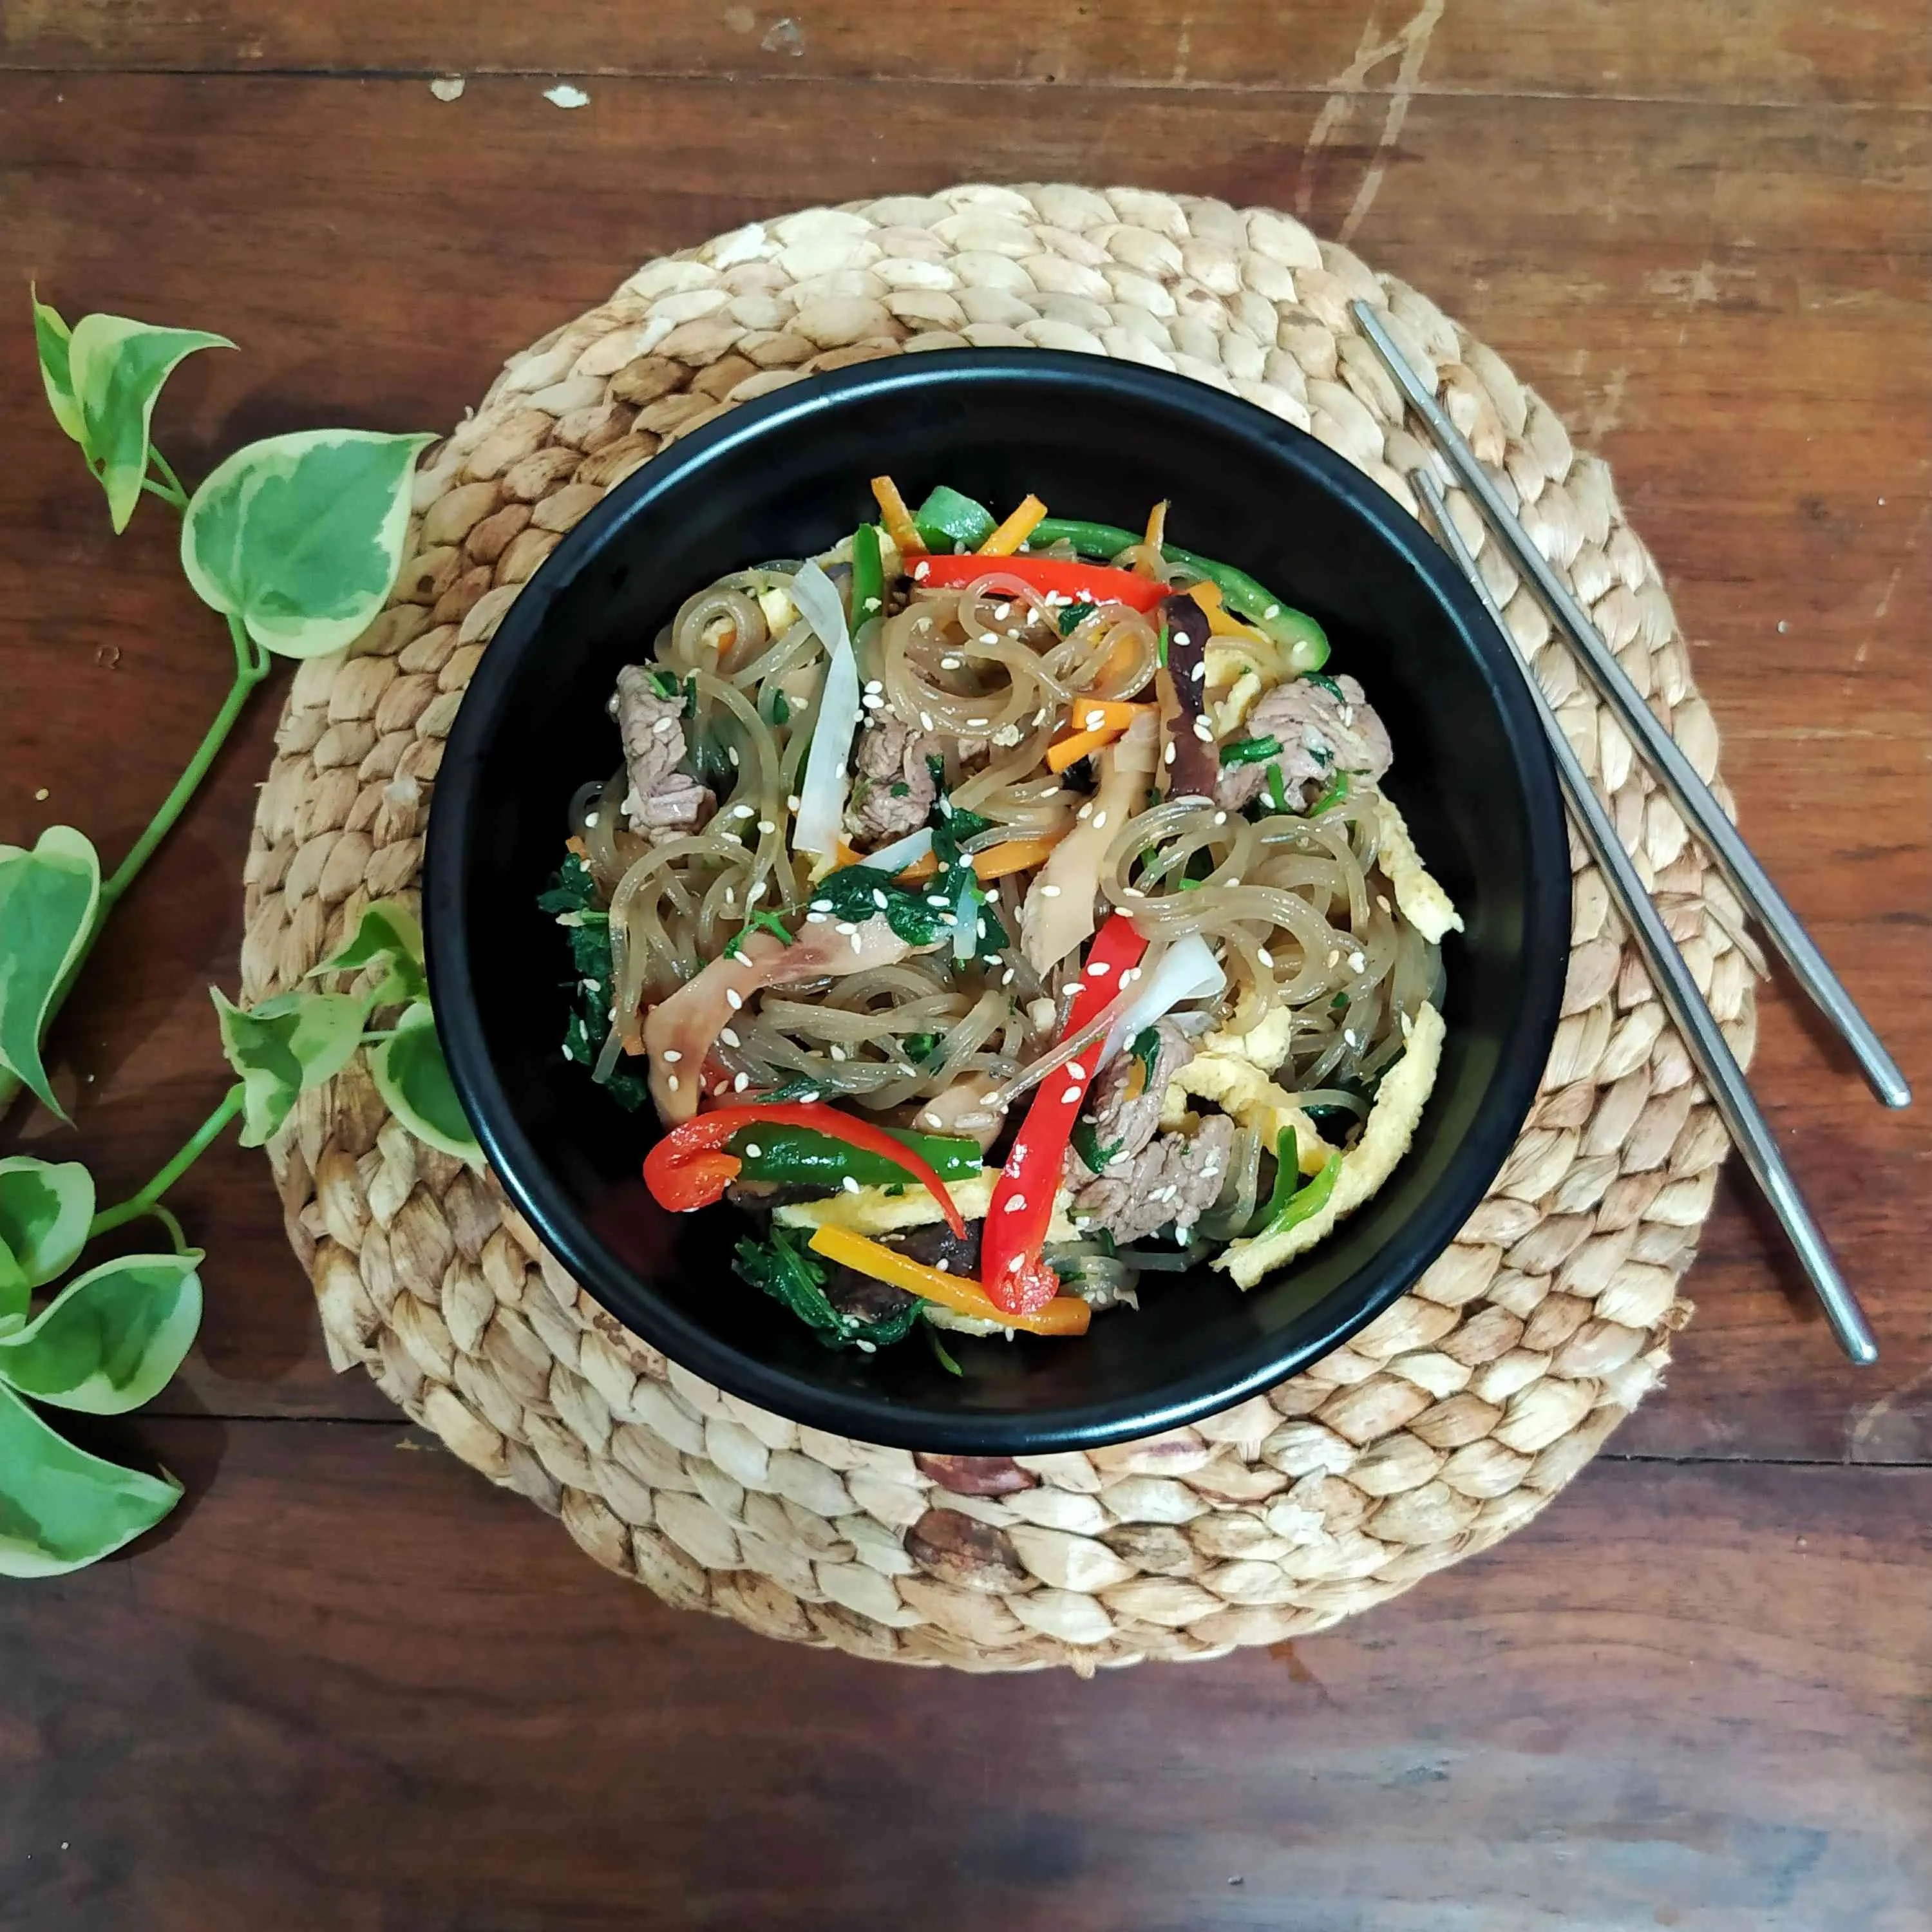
(786, 1269)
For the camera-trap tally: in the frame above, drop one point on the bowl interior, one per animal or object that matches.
(787, 475)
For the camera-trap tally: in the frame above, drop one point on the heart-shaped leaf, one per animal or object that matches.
(47, 901)
(110, 1341)
(412, 1075)
(62, 1509)
(388, 930)
(116, 367)
(301, 536)
(294, 1041)
(45, 1208)
(52, 337)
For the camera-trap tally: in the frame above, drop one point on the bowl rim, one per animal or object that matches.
(514, 1159)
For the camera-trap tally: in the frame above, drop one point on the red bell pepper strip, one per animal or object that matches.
(1011, 1270)
(690, 1168)
(1068, 576)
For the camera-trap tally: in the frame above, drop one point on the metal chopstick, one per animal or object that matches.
(1730, 1094)
(1687, 791)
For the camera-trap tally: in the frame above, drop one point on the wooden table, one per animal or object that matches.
(350, 1686)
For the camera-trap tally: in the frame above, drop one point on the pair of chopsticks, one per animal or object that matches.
(1730, 1092)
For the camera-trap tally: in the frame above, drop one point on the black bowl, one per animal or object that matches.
(786, 476)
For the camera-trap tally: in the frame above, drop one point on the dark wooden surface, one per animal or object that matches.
(350, 1686)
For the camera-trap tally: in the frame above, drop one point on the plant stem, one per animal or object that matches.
(147, 1201)
(174, 493)
(249, 672)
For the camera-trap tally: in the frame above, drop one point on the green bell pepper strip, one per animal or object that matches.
(947, 518)
(794, 1156)
(869, 577)
(1304, 640)
(1291, 1203)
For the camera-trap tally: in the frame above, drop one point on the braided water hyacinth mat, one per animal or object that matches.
(1442, 1427)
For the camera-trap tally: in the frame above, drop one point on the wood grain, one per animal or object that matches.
(1707, 50)
(354, 1688)
(1731, 307)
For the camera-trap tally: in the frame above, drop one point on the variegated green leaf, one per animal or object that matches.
(111, 1340)
(47, 901)
(294, 1041)
(62, 1509)
(52, 337)
(116, 367)
(388, 931)
(412, 1075)
(45, 1208)
(301, 536)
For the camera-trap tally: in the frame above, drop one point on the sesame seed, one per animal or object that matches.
(1128, 978)
(821, 905)
(930, 1117)
(938, 899)
(1220, 818)
(807, 1099)
(1204, 730)
(1075, 1071)
(944, 1266)
(1382, 900)
(757, 892)
(873, 603)
(793, 803)
(989, 637)
(752, 1150)
(816, 918)
(1265, 956)
(1052, 791)
(1094, 720)
(1003, 609)
(1357, 960)
(921, 571)
(1086, 810)
(879, 899)
(1015, 1204)
(977, 723)
(733, 998)
(672, 1083)
(846, 927)
(731, 752)
(744, 811)
(670, 1056)
(1099, 821)
(950, 664)
(851, 1186)
(590, 818)
(837, 1052)
(1006, 977)
(665, 724)
(1049, 891)
(858, 944)
(1132, 892)
(1167, 757)
(1070, 1096)
(739, 1085)
(925, 720)
(871, 701)
(730, 897)
(567, 1055)
(729, 1038)
(873, 684)
(1200, 672)
(1097, 970)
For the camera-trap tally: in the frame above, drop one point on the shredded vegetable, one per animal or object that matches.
(1062, 1314)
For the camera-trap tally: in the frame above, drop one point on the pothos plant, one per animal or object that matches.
(296, 541)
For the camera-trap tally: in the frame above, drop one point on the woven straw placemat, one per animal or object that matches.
(1442, 1427)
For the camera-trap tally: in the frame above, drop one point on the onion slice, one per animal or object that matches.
(901, 852)
(1186, 971)
(821, 797)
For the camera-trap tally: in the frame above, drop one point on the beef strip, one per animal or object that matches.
(1176, 1177)
(1124, 1108)
(664, 801)
(1321, 735)
(894, 792)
